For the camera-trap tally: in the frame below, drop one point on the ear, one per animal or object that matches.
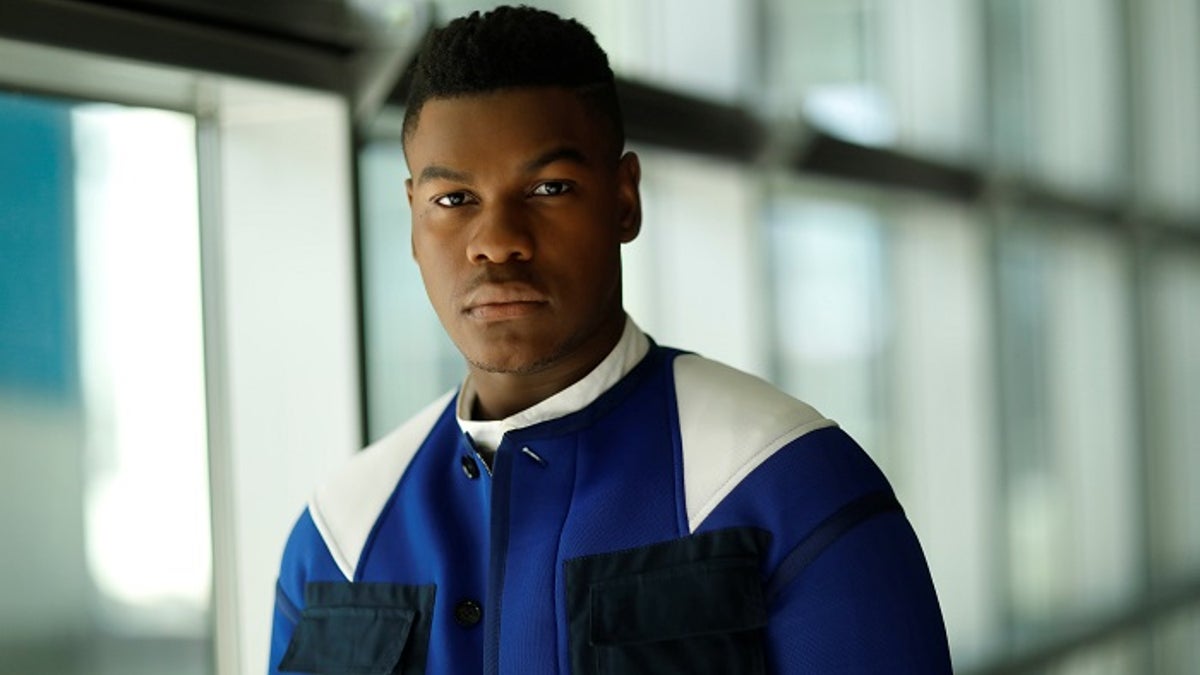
(629, 197)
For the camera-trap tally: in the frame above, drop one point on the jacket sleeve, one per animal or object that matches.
(306, 558)
(846, 585)
(287, 615)
(858, 600)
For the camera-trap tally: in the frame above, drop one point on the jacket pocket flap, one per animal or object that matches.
(699, 598)
(349, 640)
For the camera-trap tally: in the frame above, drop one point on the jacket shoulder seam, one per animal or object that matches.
(730, 422)
(346, 508)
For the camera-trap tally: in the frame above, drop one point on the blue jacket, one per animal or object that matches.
(692, 519)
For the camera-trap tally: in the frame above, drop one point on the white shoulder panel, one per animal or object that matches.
(345, 509)
(730, 422)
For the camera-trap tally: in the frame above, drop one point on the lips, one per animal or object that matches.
(491, 301)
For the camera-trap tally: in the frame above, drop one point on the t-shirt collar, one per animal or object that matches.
(629, 351)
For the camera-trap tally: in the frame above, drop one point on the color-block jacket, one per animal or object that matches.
(691, 519)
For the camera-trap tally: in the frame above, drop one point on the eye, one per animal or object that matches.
(453, 199)
(551, 188)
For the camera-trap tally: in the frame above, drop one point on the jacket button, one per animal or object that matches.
(468, 613)
(470, 468)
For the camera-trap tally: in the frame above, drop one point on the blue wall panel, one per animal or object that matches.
(38, 345)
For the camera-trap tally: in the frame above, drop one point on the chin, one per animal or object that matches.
(514, 358)
(507, 365)
(503, 357)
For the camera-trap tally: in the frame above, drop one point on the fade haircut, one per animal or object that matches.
(511, 47)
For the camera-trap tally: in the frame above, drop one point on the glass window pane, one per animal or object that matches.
(1078, 112)
(941, 403)
(1175, 425)
(704, 48)
(1167, 69)
(1059, 102)
(694, 276)
(818, 61)
(930, 55)
(904, 73)
(1070, 411)
(105, 487)
(1115, 656)
(1176, 649)
(829, 310)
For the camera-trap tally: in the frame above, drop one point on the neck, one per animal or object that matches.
(499, 395)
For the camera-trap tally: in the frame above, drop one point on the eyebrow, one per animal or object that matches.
(560, 154)
(564, 153)
(438, 172)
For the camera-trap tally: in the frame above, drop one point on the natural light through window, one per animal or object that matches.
(147, 506)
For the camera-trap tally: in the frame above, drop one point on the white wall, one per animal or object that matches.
(280, 315)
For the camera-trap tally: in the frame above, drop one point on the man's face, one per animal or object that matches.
(519, 208)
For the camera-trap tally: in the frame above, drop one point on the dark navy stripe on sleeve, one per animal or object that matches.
(828, 531)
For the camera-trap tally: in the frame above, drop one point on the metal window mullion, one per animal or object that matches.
(1140, 235)
(225, 624)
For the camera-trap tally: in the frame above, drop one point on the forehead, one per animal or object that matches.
(509, 123)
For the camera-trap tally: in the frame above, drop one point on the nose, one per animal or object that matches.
(501, 235)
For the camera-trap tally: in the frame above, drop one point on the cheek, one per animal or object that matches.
(596, 267)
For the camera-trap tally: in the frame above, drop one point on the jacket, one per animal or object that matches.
(690, 519)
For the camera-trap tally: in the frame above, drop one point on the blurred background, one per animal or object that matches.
(967, 230)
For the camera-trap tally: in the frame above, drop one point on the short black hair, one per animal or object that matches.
(511, 47)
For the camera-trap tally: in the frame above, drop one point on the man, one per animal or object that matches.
(587, 501)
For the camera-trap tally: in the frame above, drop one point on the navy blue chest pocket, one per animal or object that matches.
(362, 629)
(693, 605)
